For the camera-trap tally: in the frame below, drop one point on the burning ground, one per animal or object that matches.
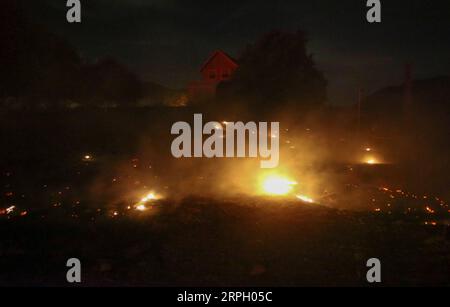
(104, 193)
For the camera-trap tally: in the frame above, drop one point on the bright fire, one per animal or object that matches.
(277, 185)
(141, 205)
(371, 161)
(305, 199)
(141, 208)
(148, 197)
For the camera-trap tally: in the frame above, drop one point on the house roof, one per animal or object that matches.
(218, 53)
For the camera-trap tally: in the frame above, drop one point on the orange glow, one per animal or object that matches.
(141, 205)
(277, 185)
(141, 208)
(305, 199)
(429, 210)
(371, 161)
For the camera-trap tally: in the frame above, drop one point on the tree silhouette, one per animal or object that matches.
(277, 71)
(35, 63)
(41, 69)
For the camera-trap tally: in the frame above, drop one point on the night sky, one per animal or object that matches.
(166, 41)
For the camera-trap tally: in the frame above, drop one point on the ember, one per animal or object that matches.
(141, 208)
(371, 161)
(87, 158)
(429, 210)
(150, 197)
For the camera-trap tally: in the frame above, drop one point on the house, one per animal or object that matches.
(218, 68)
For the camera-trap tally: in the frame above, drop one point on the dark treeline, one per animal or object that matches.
(42, 70)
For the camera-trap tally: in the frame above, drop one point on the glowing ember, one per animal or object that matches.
(87, 158)
(148, 197)
(371, 161)
(10, 209)
(305, 199)
(429, 210)
(277, 185)
(141, 208)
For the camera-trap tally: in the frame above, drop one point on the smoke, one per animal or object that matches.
(306, 156)
(320, 150)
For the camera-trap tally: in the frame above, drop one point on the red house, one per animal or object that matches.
(219, 67)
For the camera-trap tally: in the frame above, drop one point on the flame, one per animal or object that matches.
(277, 185)
(148, 197)
(305, 199)
(141, 205)
(432, 223)
(429, 210)
(371, 161)
(10, 210)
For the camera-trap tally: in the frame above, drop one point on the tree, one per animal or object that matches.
(41, 69)
(36, 64)
(277, 71)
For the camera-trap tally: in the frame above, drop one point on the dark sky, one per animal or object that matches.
(166, 41)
